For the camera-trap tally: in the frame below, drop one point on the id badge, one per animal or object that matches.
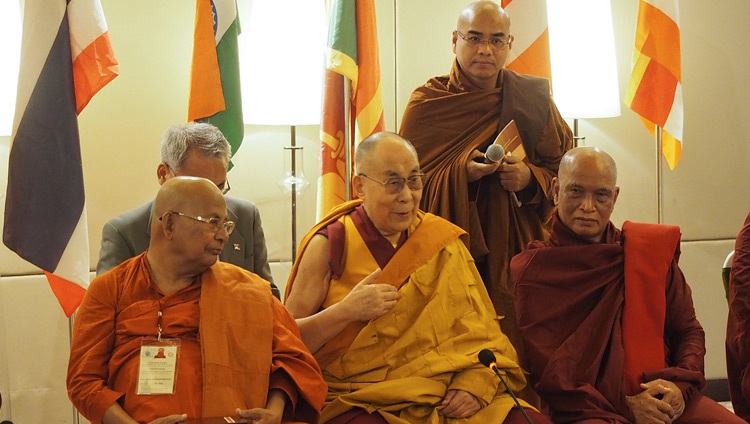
(157, 372)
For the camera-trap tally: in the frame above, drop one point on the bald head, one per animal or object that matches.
(389, 182)
(179, 193)
(592, 156)
(484, 8)
(366, 149)
(187, 226)
(482, 42)
(585, 191)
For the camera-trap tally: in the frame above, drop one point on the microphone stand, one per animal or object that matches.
(493, 367)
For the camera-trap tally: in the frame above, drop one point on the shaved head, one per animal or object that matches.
(585, 191)
(484, 7)
(366, 149)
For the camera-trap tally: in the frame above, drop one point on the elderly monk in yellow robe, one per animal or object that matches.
(453, 118)
(173, 334)
(389, 301)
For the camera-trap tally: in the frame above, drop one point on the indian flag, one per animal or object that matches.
(530, 52)
(66, 58)
(655, 89)
(215, 95)
(352, 53)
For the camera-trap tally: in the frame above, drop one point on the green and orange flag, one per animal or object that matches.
(655, 89)
(352, 52)
(215, 95)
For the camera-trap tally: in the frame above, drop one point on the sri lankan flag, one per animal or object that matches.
(352, 53)
(215, 75)
(530, 53)
(655, 91)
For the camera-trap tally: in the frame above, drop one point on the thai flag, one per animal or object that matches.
(66, 58)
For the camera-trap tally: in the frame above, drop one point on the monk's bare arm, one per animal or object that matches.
(366, 301)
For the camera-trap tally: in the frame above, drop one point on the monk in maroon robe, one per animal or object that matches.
(738, 325)
(606, 317)
(453, 118)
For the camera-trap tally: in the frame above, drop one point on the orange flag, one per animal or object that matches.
(530, 52)
(352, 53)
(655, 89)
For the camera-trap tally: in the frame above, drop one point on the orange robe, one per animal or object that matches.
(738, 325)
(237, 342)
(402, 364)
(446, 119)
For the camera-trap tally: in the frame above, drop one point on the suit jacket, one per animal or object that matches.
(127, 235)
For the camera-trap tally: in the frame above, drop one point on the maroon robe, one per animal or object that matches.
(570, 296)
(738, 325)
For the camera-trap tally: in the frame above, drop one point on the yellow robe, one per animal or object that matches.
(403, 363)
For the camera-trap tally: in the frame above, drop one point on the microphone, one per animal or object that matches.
(494, 153)
(487, 358)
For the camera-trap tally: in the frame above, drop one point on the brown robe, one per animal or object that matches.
(446, 119)
(570, 299)
(237, 342)
(738, 325)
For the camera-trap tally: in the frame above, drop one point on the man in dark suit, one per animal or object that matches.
(196, 150)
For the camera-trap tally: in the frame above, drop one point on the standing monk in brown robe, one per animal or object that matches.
(453, 118)
(607, 319)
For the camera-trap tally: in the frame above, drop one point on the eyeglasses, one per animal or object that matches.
(394, 185)
(224, 189)
(216, 223)
(494, 42)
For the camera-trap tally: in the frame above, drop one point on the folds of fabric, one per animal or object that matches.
(402, 363)
(570, 296)
(66, 58)
(738, 325)
(446, 119)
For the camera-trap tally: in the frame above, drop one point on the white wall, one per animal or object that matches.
(707, 195)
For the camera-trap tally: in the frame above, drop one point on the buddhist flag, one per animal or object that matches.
(215, 95)
(66, 58)
(530, 52)
(352, 53)
(655, 91)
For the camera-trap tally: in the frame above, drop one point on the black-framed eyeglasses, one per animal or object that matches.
(224, 188)
(216, 223)
(394, 185)
(494, 42)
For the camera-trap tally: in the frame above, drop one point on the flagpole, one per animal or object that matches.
(347, 139)
(659, 181)
(76, 417)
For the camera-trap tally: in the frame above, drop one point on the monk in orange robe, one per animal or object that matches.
(235, 348)
(390, 303)
(606, 317)
(453, 118)
(738, 325)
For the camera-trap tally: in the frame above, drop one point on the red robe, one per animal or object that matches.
(237, 343)
(738, 325)
(570, 298)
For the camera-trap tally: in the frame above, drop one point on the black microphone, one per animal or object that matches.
(494, 153)
(487, 358)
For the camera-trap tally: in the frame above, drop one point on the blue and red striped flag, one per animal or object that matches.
(66, 58)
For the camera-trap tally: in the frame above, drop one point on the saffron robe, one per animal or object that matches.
(738, 325)
(446, 119)
(237, 342)
(570, 298)
(403, 363)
